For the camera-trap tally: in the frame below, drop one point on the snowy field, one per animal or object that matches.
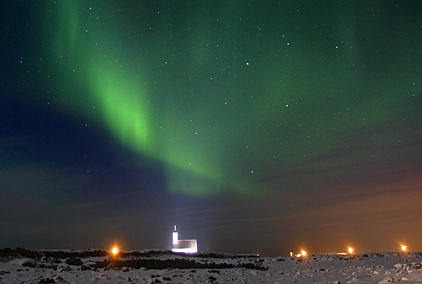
(160, 266)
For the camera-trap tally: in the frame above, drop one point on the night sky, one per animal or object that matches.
(254, 126)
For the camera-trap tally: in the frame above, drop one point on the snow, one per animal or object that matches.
(167, 267)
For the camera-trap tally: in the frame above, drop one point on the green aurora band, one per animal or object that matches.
(86, 60)
(107, 69)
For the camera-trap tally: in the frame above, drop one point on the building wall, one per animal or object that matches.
(186, 246)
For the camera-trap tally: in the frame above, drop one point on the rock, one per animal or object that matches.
(74, 261)
(211, 278)
(111, 266)
(47, 280)
(59, 279)
(387, 280)
(29, 262)
(101, 276)
(90, 265)
(85, 267)
(63, 267)
(398, 266)
(3, 272)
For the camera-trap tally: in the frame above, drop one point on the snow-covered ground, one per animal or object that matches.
(23, 266)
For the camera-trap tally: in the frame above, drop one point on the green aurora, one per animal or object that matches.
(218, 96)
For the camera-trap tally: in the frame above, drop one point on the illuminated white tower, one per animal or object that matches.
(175, 236)
(183, 246)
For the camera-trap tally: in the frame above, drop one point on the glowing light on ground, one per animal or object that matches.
(350, 251)
(303, 253)
(115, 251)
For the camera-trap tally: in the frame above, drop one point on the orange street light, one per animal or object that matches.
(115, 251)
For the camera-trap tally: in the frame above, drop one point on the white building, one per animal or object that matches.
(185, 246)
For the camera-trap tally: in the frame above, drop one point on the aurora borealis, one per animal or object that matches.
(288, 122)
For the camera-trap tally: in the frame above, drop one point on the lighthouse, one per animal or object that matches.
(184, 246)
(175, 236)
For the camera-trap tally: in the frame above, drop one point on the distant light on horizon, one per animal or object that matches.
(115, 251)
(403, 248)
(301, 254)
(350, 250)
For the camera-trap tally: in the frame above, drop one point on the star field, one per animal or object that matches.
(258, 117)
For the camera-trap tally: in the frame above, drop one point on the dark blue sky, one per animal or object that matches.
(255, 127)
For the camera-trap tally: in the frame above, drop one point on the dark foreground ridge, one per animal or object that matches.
(38, 254)
(174, 263)
(137, 259)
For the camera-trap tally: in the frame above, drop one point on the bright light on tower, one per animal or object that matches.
(175, 236)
